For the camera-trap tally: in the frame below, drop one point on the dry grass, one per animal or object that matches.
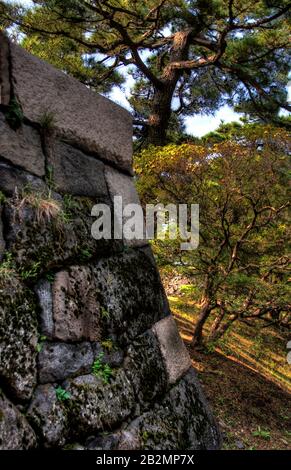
(46, 208)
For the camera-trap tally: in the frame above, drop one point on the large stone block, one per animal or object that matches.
(43, 290)
(76, 173)
(95, 405)
(14, 179)
(51, 243)
(2, 241)
(122, 185)
(131, 294)
(22, 147)
(175, 354)
(19, 336)
(57, 361)
(145, 368)
(48, 416)
(76, 310)
(15, 432)
(93, 122)
(5, 87)
(181, 421)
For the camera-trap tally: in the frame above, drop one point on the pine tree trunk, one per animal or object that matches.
(162, 102)
(159, 118)
(198, 330)
(216, 324)
(221, 330)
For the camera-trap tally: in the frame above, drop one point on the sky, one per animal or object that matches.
(197, 125)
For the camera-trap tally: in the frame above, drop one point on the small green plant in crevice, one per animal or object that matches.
(101, 369)
(145, 436)
(104, 313)
(70, 203)
(264, 434)
(85, 254)
(32, 272)
(65, 217)
(47, 121)
(14, 115)
(39, 345)
(108, 344)
(62, 394)
(49, 276)
(7, 266)
(49, 177)
(2, 198)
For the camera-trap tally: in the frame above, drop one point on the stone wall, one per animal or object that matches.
(90, 356)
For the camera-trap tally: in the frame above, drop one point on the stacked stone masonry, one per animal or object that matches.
(90, 356)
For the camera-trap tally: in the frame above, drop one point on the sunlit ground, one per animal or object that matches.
(246, 378)
(260, 349)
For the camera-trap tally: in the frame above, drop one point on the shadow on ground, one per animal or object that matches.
(253, 409)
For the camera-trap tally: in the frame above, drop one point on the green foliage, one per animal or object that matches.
(39, 345)
(70, 203)
(187, 289)
(50, 276)
(47, 121)
(199, 56)
(85, 255)
(62, 394)
(104, 313)
(14, 114)
(7, 266)
(31, 273)
(49, 178)
(99, 369)
(262, 433)
(241, 183)
(2, 198)
(108, 344)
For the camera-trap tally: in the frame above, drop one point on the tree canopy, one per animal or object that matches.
(185, 57)
(241, 269)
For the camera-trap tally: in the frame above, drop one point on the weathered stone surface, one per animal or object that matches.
(4, 70)
(57, 361)
(131, 294)
(15, 432)
(2, 241)
(55, 242)
(82, 305)
(123, 186)
(48, 417)
(43, 290)
(182, 421)
(96, 406)
(18, 333)
(22, 147)
(76, 173)
(175, 354)
(12, 179)
(80, 115)
(76, 310)
(145, 368)
(128, 441)
(103, 442)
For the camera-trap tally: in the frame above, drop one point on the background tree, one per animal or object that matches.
(241, 269)
(186, 57)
